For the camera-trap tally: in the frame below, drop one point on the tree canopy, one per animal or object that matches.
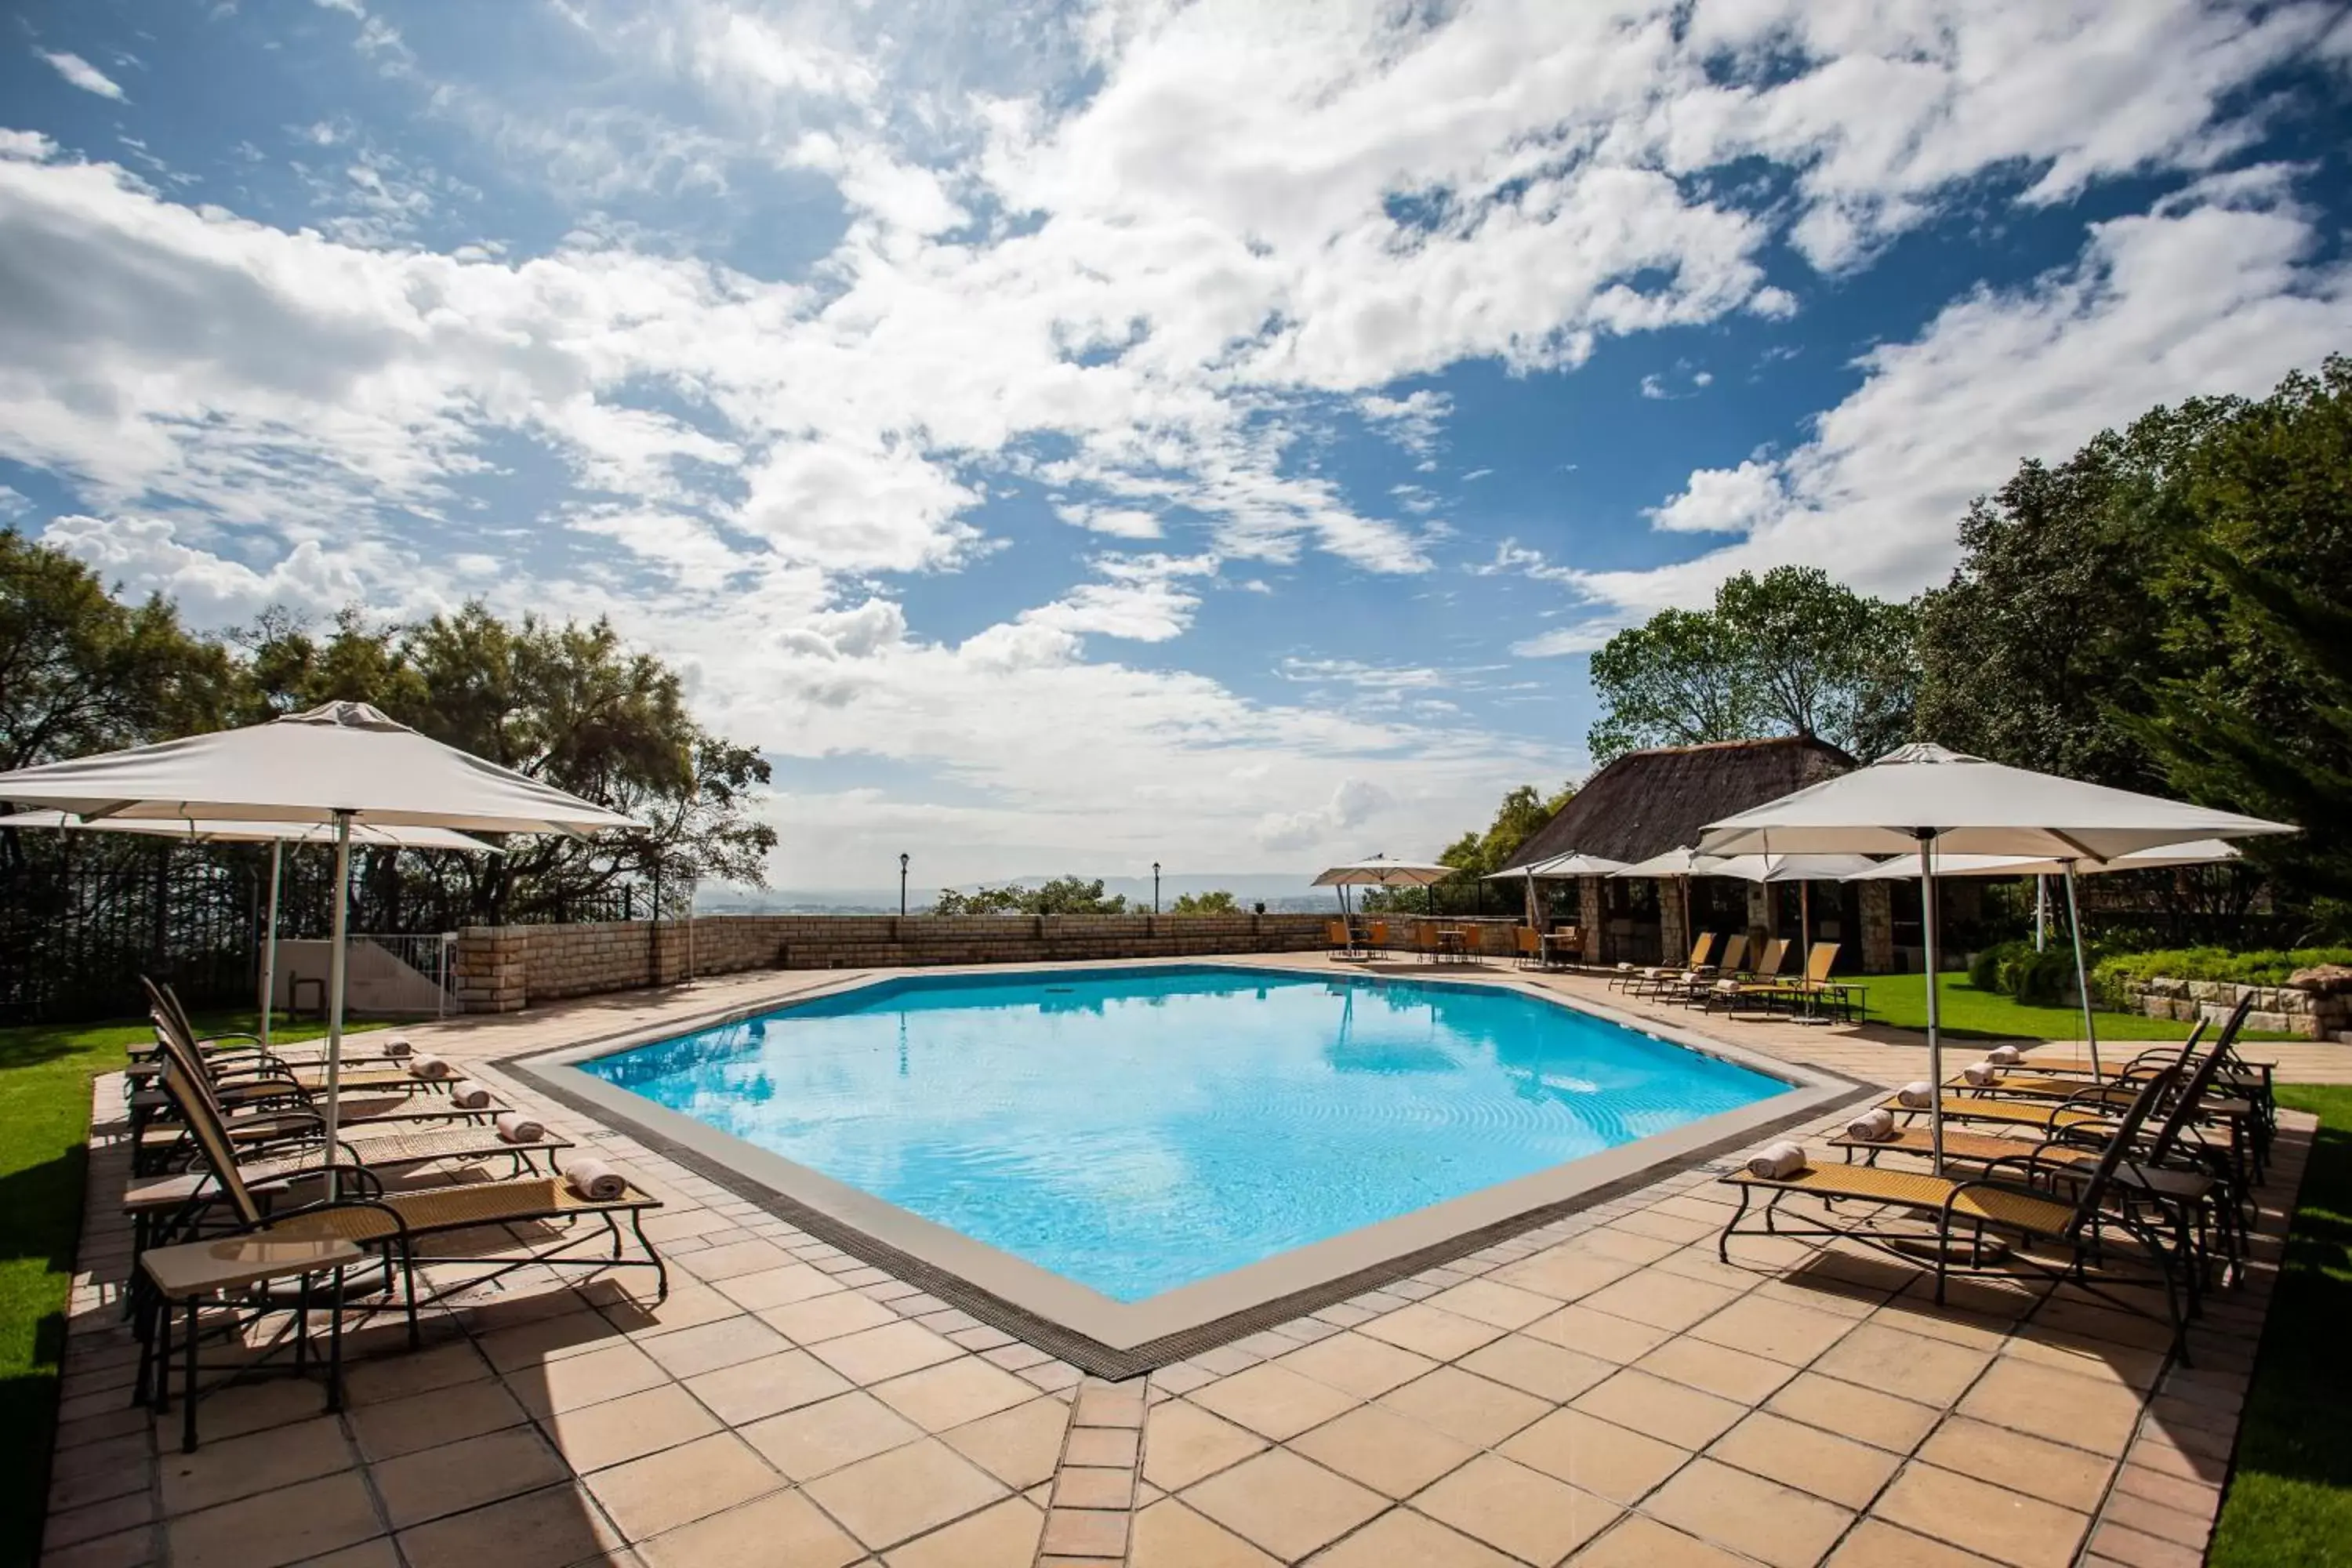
(1219, 902)
(1789, 653)
(1062, 896)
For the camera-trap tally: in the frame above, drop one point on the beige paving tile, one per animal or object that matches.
(1739, 1375)
(778, 1287)
(277, 1527)
(1101, 1404)
(1105, 1445)
(1548, 1371)
(457, 1476)
(260, 1461)
(1384, 1451)
(1911, 1366)
(1094, 1486)
(1596, 1455)
(1873, 1543)
(1082, 1538)
(735, 1258)
(875, 1355)
(548, 1339)
(817, 1438)
(2084, 1412)
(1517, 1510)
(629, 1427)
(708, 1346)
(1657, 1408)
(1490, 1302)
(1004, 1536)
(1845, 1472)
(678, 1486)
(748, 1390)
(1401, 1536)
(551, 1527)
(1283, 1504)
(1979, 1517)
(780, 1528)
(1425, 1331)
(1168, 1535)
(1853, 1411)
(443, 1416)
(1020, 1446)
(1762, 1326)
(1462, 1405)
(1638, 1542)
(1661, 1299)
(1273, 1401)
(819, 1317)
(1615, 1241)
(1183, 1443)
(1356, 1364)
(2069, 1477)
(887, 1499)
(953, 1393)
(1747, 1513)
(1588, 1332)
(1566, 1272)
(405, 1371)
(607, 1373)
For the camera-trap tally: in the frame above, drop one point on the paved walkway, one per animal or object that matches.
(1600, 1391)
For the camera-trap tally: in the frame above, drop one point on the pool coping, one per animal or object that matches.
(1117, 1339)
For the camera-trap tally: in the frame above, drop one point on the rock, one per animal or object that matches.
(2323, 979)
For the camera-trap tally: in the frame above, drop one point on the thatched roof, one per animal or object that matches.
(1646, 802)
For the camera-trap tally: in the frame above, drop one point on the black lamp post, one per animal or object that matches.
(902, 886)
(1155, 887)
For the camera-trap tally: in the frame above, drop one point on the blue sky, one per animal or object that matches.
(1067, 437)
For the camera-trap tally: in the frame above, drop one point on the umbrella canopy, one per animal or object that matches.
(2199, 852)
(1926, 800)
(1379, 871)
(1788, 867)
(1680, 861)
(1574, 863)
(367, 835)
(1967, 805)
(341, 757)
(335, 764)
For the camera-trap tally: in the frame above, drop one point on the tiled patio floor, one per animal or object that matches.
(1600, 1391)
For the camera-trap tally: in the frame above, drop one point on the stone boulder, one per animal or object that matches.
(2323, 979)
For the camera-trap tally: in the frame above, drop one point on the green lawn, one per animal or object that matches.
(45, 1078)
(2290, 1499)
(1900, 1001)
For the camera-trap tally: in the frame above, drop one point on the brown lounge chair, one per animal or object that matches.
(1731, 990)
(1961, 1210)
(1630, 977)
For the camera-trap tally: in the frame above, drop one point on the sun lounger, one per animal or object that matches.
(1637, 980)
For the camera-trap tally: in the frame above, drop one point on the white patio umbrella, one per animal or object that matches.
(1379, 871)
(2199, 852)
(277, 835)
(338, 763)
(1553, 868)
(1924, 799)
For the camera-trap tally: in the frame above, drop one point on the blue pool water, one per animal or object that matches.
(1138, 1130)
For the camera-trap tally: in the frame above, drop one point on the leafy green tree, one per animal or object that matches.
(1219, 902)
(82, 672)
(1062, 896)
(1522, 811)
(1791, 652)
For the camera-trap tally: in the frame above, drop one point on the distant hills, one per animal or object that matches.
(1280, 892)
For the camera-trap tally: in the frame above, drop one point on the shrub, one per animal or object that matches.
(1985, 970)
(2013, 969)
(2261, 966)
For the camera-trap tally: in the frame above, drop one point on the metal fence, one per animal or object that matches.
(76, 931)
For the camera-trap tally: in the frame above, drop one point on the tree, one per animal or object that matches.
(1790, 653)
(82, 672)
(1523, 811)
(1219, 902)
(1062, 896)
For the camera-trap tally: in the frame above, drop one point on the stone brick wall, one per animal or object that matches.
(503, 969)
(2278, 1009)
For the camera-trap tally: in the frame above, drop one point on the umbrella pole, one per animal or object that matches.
(1805, 941)
(2042, 912)
(1934, 1041)
(336, 957)
(2082, 979)
(269, 951)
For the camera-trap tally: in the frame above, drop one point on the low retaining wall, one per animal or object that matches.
(502, 969)
(2278, 1009)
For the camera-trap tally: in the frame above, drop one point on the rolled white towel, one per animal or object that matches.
(468, 1095)
(1917, 1096)
(2004, 1056)
(1621, 969)
(595, 1181)
(396, 1046)
(1983, 1074)
(1776, 1162)
(1872, 1126)
(516, 1128)
(426, 1066)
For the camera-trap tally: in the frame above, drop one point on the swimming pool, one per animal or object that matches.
(1136, 1130)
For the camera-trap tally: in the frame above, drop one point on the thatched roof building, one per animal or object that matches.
(1646, 802)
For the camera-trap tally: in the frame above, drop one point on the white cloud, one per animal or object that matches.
(145, 556)
(1722, 501)
(1354, 802)
(82, 74)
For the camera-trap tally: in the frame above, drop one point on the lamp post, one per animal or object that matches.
(1155, 887)
(902, 886)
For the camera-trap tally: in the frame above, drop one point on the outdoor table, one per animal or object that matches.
(1555, 944)
(187, 1275)
(1450, 940)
